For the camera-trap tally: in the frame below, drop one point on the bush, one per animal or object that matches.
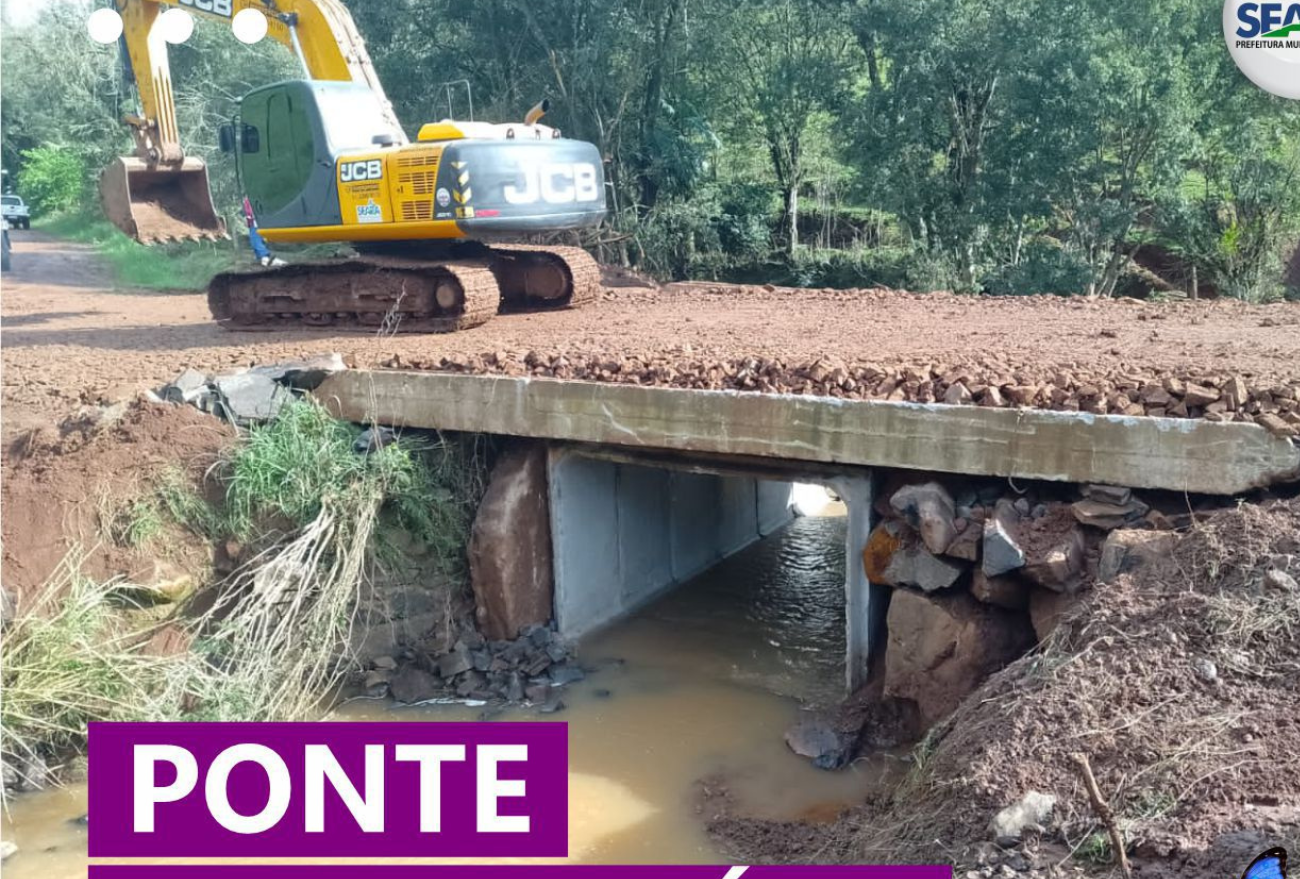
(744, 226)
(52, 179)
(896, 267)
(1046, 267)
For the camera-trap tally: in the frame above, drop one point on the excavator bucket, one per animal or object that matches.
(154, 203)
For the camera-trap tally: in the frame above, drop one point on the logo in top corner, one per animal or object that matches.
(1264, 39)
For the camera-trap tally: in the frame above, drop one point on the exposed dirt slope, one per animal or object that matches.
(68, 339)
(65, 489)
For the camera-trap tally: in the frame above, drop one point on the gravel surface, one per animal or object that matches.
(69, 338)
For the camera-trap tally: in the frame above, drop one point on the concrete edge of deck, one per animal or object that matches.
(1156, 453)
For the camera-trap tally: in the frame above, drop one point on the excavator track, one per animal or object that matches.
(394, 289)
(541, 277)
(369, 294)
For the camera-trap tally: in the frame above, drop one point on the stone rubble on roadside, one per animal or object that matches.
(532, 668)
(247, 396)
(1182, 395)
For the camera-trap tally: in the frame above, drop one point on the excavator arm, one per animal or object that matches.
(161, 194)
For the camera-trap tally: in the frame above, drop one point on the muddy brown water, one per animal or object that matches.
(701, 684)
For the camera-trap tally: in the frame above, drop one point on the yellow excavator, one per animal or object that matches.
(324, 159)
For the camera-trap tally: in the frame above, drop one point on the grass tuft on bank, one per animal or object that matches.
(75, 655)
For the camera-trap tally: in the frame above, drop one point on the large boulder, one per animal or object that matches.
(510, 546)
(1126, 551)
(1007, 591)
(1057, 563)
(1046, 609)
(929, 509)
(1002, 550)
(896, 556)
(941, 647)
(820, 740)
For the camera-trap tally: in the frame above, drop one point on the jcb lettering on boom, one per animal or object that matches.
(354, 172)
(560, 183)
(216, 7)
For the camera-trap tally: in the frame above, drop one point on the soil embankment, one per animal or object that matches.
(69, 339)
(69, 489)
(1178, 682)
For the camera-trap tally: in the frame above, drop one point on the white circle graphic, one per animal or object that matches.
(249, 25)
(1264, 39)
(104, 25)
(177, 26)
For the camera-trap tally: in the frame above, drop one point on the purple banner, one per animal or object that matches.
(519, 872)
(365, 790)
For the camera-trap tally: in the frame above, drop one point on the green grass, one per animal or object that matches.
(290, 469)
(1095, 849)
(136, 524)
(285, 472)
(179, 266)
(185, 507)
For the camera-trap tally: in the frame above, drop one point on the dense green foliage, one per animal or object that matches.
(51, 179)
(1012, 147)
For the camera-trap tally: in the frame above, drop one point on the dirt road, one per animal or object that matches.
(69, 338)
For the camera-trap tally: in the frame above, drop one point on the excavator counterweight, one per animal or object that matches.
(155, 203)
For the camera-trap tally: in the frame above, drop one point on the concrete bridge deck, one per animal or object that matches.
(649, 485)
(1194, 456)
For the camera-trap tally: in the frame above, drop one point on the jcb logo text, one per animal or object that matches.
(216, 7)
(352, 172)
(560, 183)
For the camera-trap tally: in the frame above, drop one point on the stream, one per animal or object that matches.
(702, 684)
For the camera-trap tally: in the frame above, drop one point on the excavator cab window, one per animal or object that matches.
(276, 145)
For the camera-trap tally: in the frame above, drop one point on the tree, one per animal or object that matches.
(783, 63)
(52, 179)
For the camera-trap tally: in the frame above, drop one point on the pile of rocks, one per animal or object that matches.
(249, 395)
(1208, 395)
(981, 577)
(531, 669)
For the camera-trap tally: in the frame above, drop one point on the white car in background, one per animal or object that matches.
(14, 210)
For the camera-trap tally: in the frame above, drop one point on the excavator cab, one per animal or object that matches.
(154, 202)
